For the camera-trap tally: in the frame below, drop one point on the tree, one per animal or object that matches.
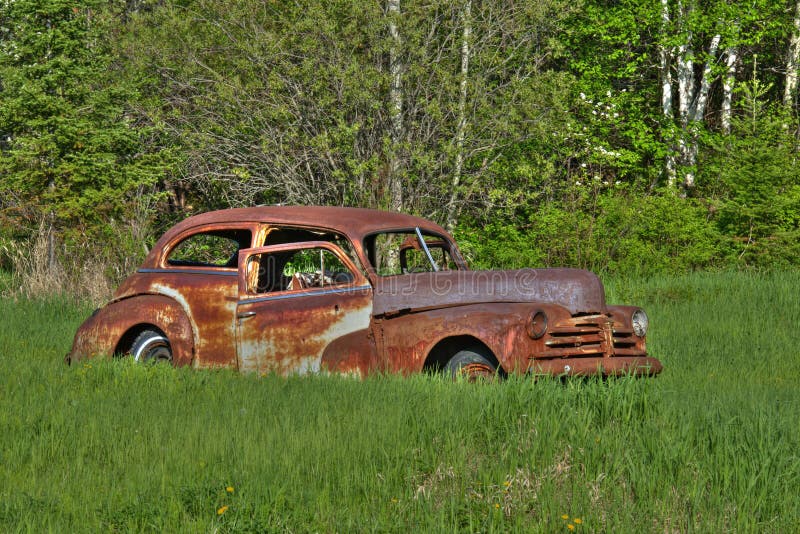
(71, 150)
(341, 102)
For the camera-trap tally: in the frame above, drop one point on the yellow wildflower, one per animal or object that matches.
(496, 506)
(222, 510)
(571, 526)
(229, 489)
(565, 517)
(578, 520)
(507, 483)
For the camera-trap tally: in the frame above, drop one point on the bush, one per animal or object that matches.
(604, 229)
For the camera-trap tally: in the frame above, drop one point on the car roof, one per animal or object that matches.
(354, 222)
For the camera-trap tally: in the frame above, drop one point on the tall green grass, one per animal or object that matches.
(710, 445)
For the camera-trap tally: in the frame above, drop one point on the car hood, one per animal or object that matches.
(577, 290)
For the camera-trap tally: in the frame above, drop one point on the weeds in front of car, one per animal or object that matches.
(709, 445)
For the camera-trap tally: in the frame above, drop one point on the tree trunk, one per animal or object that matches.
(727, 89)
(700, 101)
(396, 108)
(665, 60)
(686, 92)
(692, 104)
(462, 116)
(666, 88)
(790, 87)
(685, 82)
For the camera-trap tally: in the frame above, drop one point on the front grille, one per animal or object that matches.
(589, 336)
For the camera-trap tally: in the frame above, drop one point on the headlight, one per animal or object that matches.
(640, 322)
(537, 326)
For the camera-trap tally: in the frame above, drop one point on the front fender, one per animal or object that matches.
(102, 333)
(409, 339)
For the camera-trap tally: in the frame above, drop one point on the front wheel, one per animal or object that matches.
(151, 346)
(471, 365)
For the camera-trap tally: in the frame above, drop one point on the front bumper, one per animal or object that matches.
(611, 366)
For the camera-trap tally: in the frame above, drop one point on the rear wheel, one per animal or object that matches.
(151, 346)
(470, 365)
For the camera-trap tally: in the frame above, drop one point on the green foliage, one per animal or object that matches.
(69, 145)
(604, 227)
(119, 118)
(108, 445)
(754, 178)
(616, 95)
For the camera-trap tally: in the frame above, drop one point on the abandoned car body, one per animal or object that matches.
(303, 289)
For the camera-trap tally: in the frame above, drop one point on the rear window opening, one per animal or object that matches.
(216, 248)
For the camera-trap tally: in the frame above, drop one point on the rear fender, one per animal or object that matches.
(104, 331)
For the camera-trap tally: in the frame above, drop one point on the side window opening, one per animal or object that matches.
(281, 236)
(299, 269)
(215, 248)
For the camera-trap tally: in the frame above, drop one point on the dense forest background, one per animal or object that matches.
(625, 137)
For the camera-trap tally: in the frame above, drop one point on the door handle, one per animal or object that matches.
(245, 315)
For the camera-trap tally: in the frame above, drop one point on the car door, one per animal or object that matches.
(303, 307)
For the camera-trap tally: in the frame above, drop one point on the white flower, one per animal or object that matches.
(583, 96)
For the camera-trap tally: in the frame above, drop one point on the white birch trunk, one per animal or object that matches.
(792, 59)
(665, 68)
(686, 94)
(727, 89)
(688, 150)
(396, 109)
(462, 116)
(700, 101)
(685, 82)
(692, 104)
(666, 72)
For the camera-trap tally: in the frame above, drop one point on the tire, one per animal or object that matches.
(151, 346)
(470, 365)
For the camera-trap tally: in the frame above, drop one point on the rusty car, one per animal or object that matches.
(299, 289)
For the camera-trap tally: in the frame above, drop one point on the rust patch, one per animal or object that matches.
(101, 334)
(354, 353)
(290, 335)
(616, 366)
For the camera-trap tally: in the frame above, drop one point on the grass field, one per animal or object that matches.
(712, 445)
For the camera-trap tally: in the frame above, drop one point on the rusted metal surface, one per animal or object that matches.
(242, 314)
(353, 354)
(616, 366)
(288, 331)
(102, 333)
(577, 290)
